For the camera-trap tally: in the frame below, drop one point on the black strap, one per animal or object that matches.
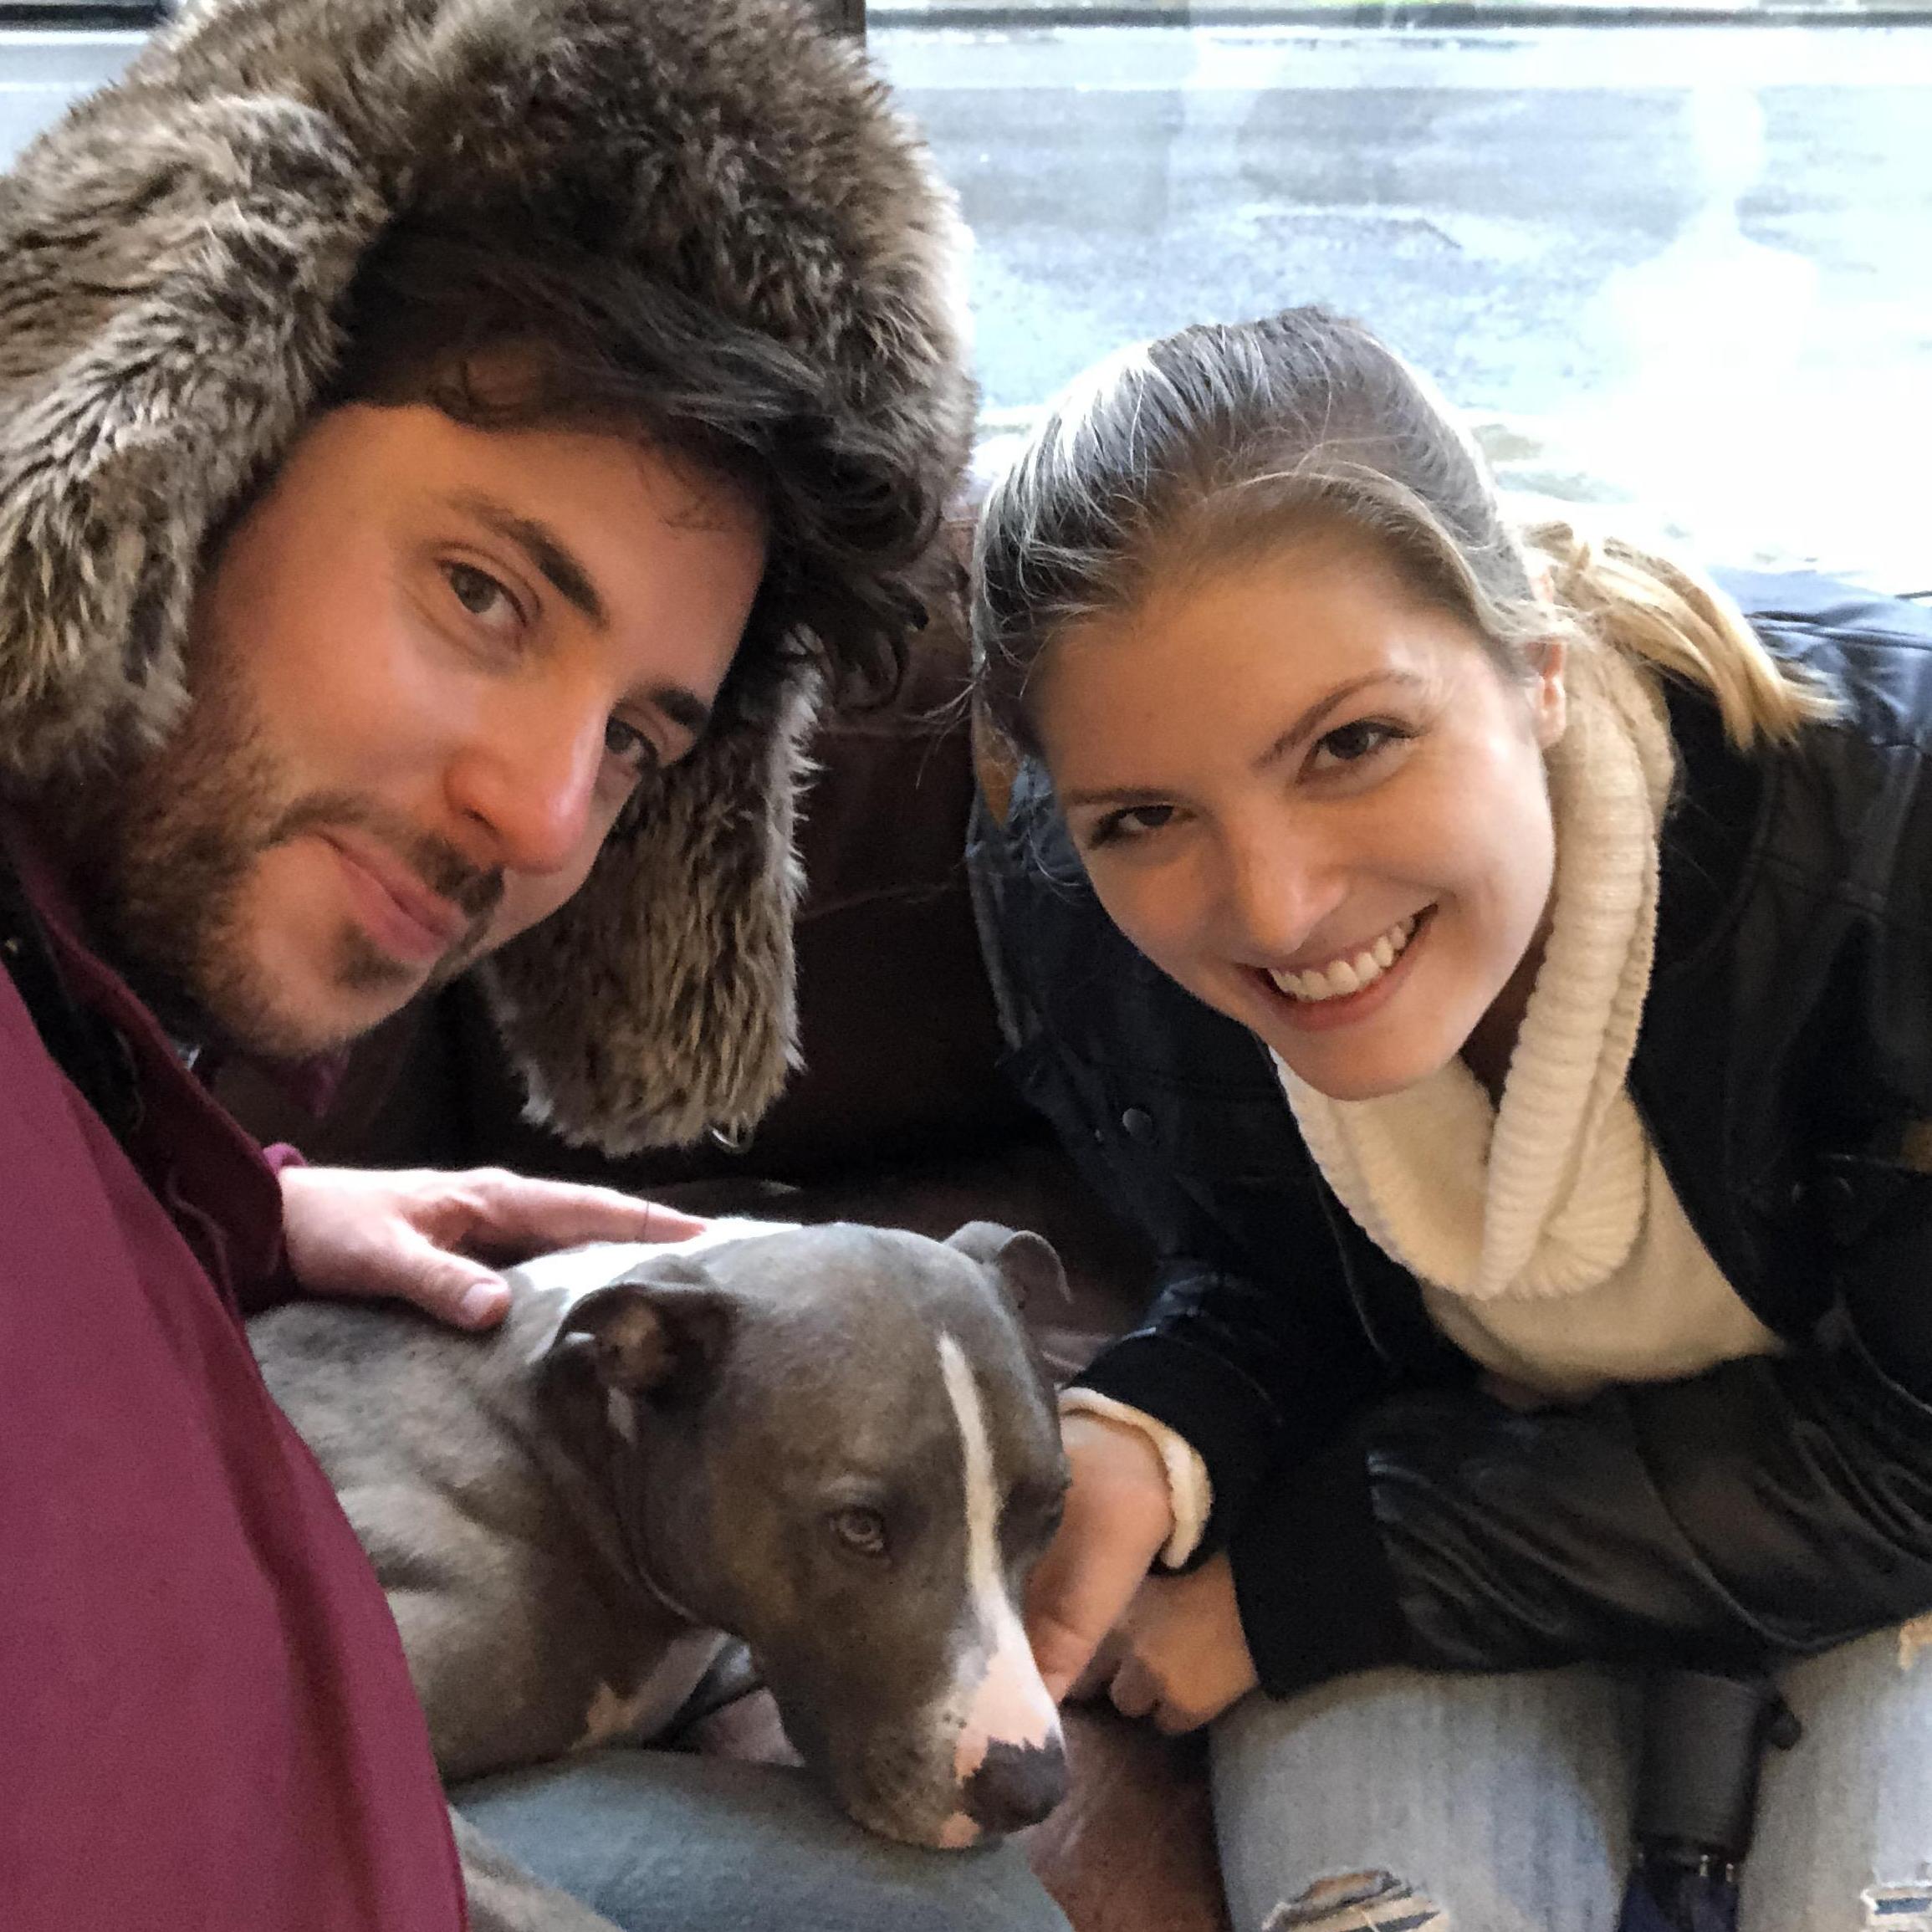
(1704, 1737)
(87, 1050)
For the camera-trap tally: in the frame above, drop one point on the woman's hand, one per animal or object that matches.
(1178, 1654)
(1117, 1517)
(428, 1237)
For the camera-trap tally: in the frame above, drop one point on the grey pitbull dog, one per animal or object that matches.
(833, 1442)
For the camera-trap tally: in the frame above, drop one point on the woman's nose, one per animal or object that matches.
(1278, 885)
(526, 777)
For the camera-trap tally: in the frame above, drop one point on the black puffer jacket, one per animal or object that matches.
(1377, 1504)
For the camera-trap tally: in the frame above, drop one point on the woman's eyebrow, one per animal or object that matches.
(1309, 722)
(1302, 728)
(546, 550)
(1116, 795)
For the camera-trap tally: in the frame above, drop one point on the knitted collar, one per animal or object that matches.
(1543, 1195)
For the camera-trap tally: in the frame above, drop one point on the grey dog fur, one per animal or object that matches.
(547, 1555)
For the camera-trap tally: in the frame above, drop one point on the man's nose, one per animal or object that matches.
(526, 777)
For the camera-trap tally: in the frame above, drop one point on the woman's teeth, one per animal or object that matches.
(1342, 976)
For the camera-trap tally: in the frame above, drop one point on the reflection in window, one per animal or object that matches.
(1677, 276)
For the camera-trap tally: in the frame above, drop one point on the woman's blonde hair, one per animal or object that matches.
(1224, 442)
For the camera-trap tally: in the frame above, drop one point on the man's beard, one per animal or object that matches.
(167, 862)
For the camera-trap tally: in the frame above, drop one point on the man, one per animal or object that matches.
(445, 450)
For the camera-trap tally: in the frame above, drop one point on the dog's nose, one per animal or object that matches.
(1016, 1785)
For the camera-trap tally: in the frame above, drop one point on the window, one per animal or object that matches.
(50, 54)
(1677, 275)
(76, 15)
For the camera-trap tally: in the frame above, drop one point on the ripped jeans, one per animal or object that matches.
(1401, 1801)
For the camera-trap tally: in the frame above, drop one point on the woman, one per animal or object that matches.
(1499, 977)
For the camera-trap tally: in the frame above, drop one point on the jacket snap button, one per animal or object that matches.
(1139, 1122)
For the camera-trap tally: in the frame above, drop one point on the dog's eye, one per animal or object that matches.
(862, 1531)
(1032, 1517)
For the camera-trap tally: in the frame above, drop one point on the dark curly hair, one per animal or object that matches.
(599, 344)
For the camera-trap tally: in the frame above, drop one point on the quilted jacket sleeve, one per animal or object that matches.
(1770, 1507)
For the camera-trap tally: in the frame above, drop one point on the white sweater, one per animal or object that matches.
(1549, 1243)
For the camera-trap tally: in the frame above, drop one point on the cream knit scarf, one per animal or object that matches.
(1545, 1195)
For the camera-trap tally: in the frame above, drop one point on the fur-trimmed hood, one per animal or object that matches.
(174, 257)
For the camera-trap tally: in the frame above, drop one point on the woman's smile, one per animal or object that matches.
(1353, 986)
(1298, 788)
(1352, 971)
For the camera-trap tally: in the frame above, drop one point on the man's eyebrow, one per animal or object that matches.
(544, 549)
(682, 707)
(1304, 726)
(572, 581)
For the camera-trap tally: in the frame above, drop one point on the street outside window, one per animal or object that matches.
(1670, 258)
(1671, 261)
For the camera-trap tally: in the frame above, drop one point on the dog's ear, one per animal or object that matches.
(1024, 1262)
(658, 1332)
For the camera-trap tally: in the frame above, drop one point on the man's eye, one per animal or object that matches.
(1351, 744)
(479, 593)
(629, 746)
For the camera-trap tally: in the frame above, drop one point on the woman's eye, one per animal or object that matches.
(480, 594)
(1351, 744)
(862, 1531)
(1133, 822)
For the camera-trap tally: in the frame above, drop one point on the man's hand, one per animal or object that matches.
(1179, 1654)
(1117, 1517)
(428, 1237)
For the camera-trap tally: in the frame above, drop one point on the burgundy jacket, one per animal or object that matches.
(206, 1720)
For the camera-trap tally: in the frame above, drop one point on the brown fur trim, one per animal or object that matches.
(694, 912)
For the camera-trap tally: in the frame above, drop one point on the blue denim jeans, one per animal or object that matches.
(659, 1842)
(1401, 1800)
